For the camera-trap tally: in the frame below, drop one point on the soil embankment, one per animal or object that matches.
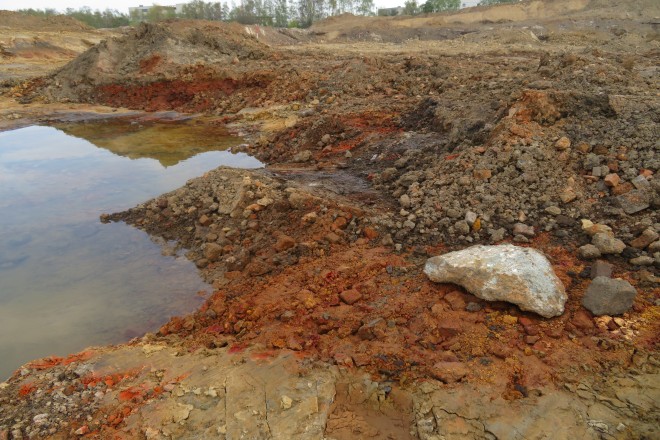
(384, 147)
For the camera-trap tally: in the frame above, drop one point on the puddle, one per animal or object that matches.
(66, 280)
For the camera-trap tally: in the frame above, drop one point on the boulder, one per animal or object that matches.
(521, 276)
(607, 296)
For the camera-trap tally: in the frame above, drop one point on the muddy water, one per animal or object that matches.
(66, 280)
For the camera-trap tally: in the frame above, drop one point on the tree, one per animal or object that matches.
(410, 7)
(440, 5)
(365, 7)
(158, 13)
(281, 13)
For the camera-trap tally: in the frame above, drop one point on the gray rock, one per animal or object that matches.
(588, 252)
(497, 234)
(522, 276)
(608, 244)
(601, 269)
(634, 201)
(523, 229)
(607, 296)
(553, 210)
(641, 183)
(462, 227)
(471, 217)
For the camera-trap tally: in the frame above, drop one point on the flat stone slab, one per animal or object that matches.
(522, 276)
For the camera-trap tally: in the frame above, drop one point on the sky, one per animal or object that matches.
(122, 5)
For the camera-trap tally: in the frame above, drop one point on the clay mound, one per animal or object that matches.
(18, 21)
(149, 53)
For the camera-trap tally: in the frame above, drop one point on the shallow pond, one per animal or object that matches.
(66, 280)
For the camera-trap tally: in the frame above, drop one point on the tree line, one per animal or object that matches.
(280, 13)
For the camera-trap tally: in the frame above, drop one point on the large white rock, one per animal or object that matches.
(519, 275)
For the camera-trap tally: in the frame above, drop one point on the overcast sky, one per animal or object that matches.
(122, 5)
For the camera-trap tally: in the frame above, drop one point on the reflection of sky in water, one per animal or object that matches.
(66, 280)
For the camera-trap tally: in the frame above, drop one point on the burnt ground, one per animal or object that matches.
(382, 151)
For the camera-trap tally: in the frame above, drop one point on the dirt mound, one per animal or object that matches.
(22, 22)
(152, 53)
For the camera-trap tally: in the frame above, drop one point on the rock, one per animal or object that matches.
(601, 269)
(449, 372)
(471, 217)
(588, 252)
(563, 143)
(286, 402)
(607, 296)
(350, 296)
(646, 238)
(622, 188)
(612, 180)
(204, 220)
(523, 229)
(283, 243)
(634, 201)
(455, 300)
(640, 182)
(522, 276)
(553, 210)
(404, 201)
(212, 251)
(608, 244)
(473, 307)
(482, 174)
(567, 195)
(462, 227)
(643, 260)
(303, 156)
(593, 229)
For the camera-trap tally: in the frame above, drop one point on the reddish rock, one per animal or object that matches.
(532, 330)
(340, 223)
(622, 188)
(531, 340)
(448, 328)
(332, 237)
(350, 296)
(482, 174)
(370, 233)
(582, 320)
(449, 372)
(455, 300)
(525, 321)
(204, 220)
(293, 344)
(284, 242)
(500, 351)
(554, 332)
(646, 238)
(612, 180)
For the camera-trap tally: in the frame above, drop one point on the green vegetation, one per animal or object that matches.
(98, 19)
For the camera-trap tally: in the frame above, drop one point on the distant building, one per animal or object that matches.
(141, 11)
(390, 12)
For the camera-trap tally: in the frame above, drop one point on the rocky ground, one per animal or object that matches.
(383, 149)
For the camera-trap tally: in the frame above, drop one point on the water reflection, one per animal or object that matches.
(68, 281)
(167, 142)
